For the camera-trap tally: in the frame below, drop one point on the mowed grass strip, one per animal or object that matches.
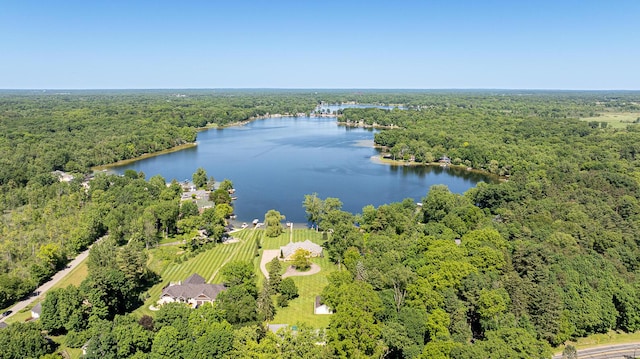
(75, 277)
(299, 235)
(300, 310)
(207, 264)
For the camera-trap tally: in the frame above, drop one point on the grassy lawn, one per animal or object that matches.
(207, 264)
(615, 119)
(22, 315)
(299, 235)
(610, 338)
(73, 353)
(166, 240)
(75, 277)
(300, 310)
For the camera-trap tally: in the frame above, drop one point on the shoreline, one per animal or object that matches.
(363, 125)
(364, 143)
(143, 156)
(385, 161)
(211, 126)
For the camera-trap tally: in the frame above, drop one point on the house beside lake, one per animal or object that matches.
(193, 291)
(287, 252)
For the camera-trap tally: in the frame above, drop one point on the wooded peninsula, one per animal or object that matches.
(505, 270)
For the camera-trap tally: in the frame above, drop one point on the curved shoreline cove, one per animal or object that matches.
(274, 162)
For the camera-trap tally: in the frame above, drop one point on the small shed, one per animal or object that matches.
(320, 308)
(36, 311)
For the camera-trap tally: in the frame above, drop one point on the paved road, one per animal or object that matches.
(619, 351)
(46, 286)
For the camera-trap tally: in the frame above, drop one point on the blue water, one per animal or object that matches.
(274, 162)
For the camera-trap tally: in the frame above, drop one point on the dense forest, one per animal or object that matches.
(506, 270)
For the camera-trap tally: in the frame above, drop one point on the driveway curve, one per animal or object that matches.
(269, 254)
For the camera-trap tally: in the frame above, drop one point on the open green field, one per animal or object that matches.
(298, 235)
(300, 310)
(66, 352)
(207, 264)
(615, 119)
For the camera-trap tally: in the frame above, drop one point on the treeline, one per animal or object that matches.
(45, 221)
(503, 271)
(501, 137)
(40, 133)
(66, 218)
(550, 255)
(92, 316)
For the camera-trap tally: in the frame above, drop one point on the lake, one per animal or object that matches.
(274, 162)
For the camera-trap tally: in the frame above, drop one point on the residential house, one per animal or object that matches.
(193, 291)
(444, 161)
(287, 252)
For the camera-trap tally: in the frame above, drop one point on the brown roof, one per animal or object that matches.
(195, 279)
(191, 291)
(194, 287)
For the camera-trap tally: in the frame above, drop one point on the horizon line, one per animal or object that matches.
(318, 88)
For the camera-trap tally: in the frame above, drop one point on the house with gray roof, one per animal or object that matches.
(286, 252)
(193, 291)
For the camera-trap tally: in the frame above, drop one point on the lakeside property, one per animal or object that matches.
(284, 150)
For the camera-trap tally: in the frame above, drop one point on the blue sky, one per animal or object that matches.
(559, 44)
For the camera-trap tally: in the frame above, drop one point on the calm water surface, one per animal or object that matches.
(274, 162)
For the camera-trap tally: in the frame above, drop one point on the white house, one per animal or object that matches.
(193, 291)
(286, 252)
